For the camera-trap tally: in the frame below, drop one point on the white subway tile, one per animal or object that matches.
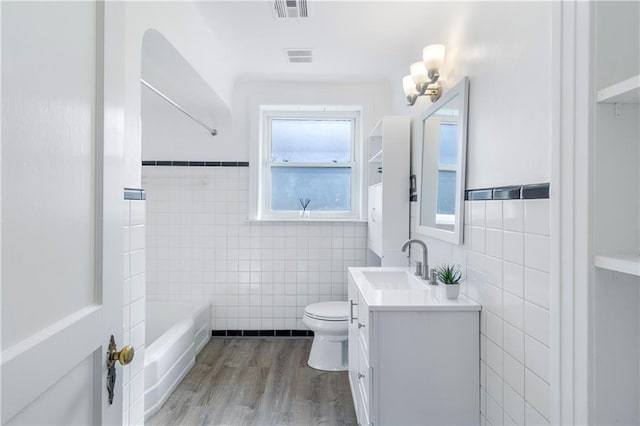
(137, 213)
(125, 403)
(493, 327)
(536, 287)
(493, 356)
(136, 386)
(136, 262)
(136, 235)
(514, 342)
(137, 312)
(536, 252)
(478, 213)
(136, 411)
(494, 243)
(537, 358)
(513, 405)
(493, 300)
(494, 385)
(513, 247)
(532, 417)
(537, 393)
(493, 214)
(513, 278)
(494, 271)
(137, 287)
(536, 216)
(513, 310)
(536, 322)
(494, 412)
(478, 239)
(513, 215)
(514, 374)
(126, 239)
(508, 421)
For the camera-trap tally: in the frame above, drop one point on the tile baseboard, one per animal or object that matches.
(522, 192)
(262, 333)
(173, 163)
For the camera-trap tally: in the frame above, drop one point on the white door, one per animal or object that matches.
(62, 208)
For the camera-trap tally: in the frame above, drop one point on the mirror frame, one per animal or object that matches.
(456, 237)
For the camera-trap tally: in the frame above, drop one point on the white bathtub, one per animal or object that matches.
(175, 333)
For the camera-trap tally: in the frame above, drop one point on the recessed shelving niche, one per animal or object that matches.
(625, 92)
(625, 263)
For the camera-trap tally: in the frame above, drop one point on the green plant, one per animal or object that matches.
(449, 274)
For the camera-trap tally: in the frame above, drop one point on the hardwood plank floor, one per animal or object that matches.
(258, 382)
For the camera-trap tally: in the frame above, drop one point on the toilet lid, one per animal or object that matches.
(328, 311)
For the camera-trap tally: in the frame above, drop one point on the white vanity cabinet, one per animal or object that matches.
(413, 364)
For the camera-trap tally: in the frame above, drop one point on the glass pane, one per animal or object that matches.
(448, 144)
(446, 192)
(310, 140)
(327, 188)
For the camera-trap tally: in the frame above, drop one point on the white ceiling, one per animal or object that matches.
(369, 40)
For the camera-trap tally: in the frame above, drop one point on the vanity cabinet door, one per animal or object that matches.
(353, 346)
(374, 233)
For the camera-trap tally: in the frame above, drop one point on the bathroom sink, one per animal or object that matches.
(392, 288)
(391, 280)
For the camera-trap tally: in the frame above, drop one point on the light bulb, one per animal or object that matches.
(433, 56)
(409, 86)
(418, 72)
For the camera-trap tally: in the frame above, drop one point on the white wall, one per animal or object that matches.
(505, 49)
(250, 94)
(171, 135)
(183, 26)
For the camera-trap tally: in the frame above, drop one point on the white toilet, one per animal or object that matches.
(329, 322)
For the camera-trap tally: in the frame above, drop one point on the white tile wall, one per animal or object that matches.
(134, 312)
(506, 261)
(258, 275)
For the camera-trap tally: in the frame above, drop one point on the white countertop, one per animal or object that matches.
(416, 295)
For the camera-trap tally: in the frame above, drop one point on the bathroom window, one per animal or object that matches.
(309, 156)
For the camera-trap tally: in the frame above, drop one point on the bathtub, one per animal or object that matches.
(175, 333)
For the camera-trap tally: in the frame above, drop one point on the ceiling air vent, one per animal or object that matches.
(291, 8)
(297, 56)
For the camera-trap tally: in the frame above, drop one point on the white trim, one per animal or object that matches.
(461, 88)
(261, 178)
(571, 211)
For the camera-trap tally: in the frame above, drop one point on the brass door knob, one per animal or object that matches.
(124, 356)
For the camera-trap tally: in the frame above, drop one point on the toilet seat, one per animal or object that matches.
(328, 311)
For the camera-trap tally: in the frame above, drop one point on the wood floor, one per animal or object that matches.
(258, 382)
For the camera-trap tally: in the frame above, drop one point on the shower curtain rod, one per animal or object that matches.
(166, 98)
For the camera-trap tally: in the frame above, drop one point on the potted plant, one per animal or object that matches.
(450, 276)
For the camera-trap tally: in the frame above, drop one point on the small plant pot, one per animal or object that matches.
(304, 214)
(453, 290)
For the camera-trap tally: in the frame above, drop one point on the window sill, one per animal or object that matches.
(307, 220)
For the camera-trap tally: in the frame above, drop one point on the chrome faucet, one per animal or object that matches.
(422, 268)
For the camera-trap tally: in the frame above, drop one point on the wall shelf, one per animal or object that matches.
(376, 158)
(627, 92)
(626, 263)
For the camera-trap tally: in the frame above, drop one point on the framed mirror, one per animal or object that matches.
(443, 162)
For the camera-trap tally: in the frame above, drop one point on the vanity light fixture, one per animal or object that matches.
(424, 75)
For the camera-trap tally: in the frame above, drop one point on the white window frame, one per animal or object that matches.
(263, 176)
